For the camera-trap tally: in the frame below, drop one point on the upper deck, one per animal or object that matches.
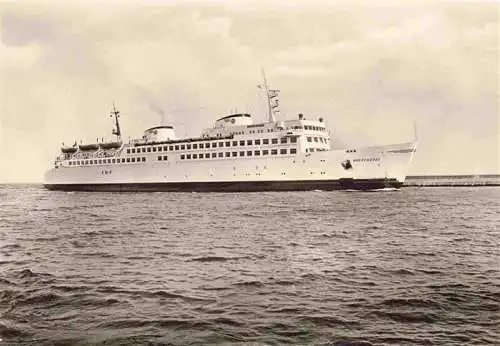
(290, 137)
(232, 136)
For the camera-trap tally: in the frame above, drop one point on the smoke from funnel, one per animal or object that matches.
(158, 110)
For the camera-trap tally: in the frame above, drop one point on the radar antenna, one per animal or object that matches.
(272, 99)
(116, 131)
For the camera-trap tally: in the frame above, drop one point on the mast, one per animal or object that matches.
(116, 131)
(272, 99)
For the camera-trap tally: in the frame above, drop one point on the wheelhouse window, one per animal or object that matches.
(249, 153)
(249, 142)
(235, 143)
(207, 155)
(149, 149)
(160, 158)
(283, 151)
(214, 145)
(195, 156)
(284, 140)
(293, 151)
(274, 140)
(274, 152)
(234, 154)
(293, 139)
(188, 156)
(309, 139)
(195, 146)
(228, 144)
(143, 159)
(214, 155)
(201, 145)
(183, 157)
(265, 152)
(128, 151)
(165, 148)
(242, 142)
(242, 153)
(257, 152)
(316, 139)
(128, 159)
(154, 149)
(228, 154)
(171, 147)
(257, 142)
(183, 147)
(176, 147)
(221, 154)
(221, 144)
(265, 141)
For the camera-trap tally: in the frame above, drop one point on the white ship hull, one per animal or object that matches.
(369, 168)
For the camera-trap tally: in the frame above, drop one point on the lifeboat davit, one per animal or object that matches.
(68, 150)
(110, 145)
(89, 147)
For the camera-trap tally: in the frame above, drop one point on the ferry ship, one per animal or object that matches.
(235, 155)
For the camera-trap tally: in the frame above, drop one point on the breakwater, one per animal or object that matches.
(453, 180)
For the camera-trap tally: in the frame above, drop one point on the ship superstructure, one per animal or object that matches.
(236, 154)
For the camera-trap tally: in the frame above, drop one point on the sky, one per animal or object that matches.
(371, 69)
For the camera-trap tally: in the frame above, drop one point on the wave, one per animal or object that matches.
(10, 246)
(67, 288)
(153, 294)
(412, 302)
(403, 271)
(158, 323)
(352, 343)
(408, 317)
(249, 283)
(215, 259)
(28, 274)
(327, 320)
(10, 332)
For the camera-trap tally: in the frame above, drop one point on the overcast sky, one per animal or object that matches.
(369, 69)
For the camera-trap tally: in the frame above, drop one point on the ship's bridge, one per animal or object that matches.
(234, 120)
(159, 134)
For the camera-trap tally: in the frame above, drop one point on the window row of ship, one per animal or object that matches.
(212, 155)
(305, 127)
(242, 153)
(220, 144)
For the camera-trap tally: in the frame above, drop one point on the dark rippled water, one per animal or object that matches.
(411, 267)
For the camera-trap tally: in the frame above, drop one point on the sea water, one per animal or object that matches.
(410, 267)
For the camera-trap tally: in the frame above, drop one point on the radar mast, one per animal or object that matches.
(116, 131)
(272, 99)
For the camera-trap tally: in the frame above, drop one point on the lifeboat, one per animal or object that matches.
(68, 150)
(110, 145)
(88, 147)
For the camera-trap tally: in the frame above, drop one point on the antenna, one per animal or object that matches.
(272, 99)
(116, 131)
